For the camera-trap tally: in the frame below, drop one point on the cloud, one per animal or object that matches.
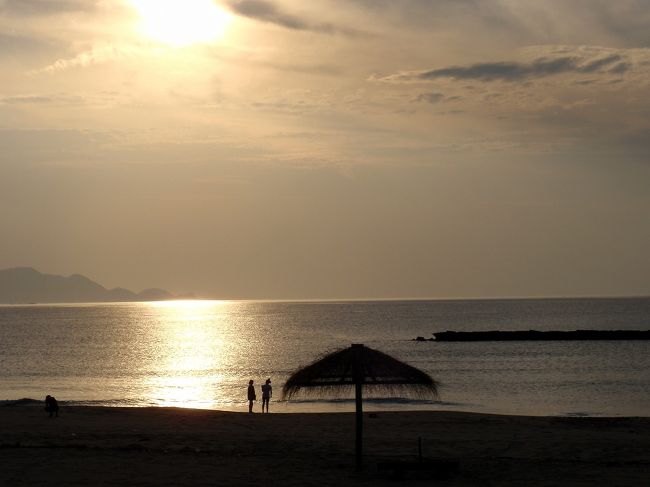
(584, 82)
(39, 99)
(434, 98)
(318, 69)
(26, 100)
(512, 70)
(620, 68)
(266, 11)
(597, 64)
(95, 55)
(244, 58)
(24, 46)
(621, 23)
(39, 8)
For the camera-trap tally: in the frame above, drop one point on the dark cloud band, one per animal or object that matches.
(266, 11)
(515, 71)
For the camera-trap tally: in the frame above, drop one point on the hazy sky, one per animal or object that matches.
(330, 148)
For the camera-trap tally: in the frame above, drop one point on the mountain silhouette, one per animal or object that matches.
(27, 285)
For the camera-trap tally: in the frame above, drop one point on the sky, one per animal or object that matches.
(331, 149)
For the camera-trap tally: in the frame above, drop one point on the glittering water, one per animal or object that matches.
(202, 353)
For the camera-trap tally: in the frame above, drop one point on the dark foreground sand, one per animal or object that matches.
(157, 446)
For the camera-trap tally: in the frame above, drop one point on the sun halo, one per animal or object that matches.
(180, 23)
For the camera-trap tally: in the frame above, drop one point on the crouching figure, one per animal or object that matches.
(51, 406)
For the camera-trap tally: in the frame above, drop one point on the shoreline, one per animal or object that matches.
(321, 406)
(178, 446)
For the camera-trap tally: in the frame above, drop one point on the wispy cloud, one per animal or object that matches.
(603, 22)
(37, 99)
(95, 55)
(97, 98)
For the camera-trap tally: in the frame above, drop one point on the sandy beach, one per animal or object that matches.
(160, 446)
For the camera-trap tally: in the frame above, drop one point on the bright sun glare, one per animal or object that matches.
(181, 22)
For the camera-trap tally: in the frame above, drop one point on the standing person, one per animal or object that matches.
(267, 392)
(51, 406)
(251, 395)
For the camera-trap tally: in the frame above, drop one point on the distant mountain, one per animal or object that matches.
(27, 285)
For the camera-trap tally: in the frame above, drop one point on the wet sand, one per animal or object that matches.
(162, 446)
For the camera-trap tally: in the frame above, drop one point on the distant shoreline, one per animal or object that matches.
(337, 300)
(26, 285)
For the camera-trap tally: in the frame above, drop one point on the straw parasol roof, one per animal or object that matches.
(337, 373)
(356, 368)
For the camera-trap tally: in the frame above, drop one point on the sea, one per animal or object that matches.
(201, 354)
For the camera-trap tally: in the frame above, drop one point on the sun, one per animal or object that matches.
(181, 22)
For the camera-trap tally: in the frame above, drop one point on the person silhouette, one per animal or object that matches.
(51, 406)
(267, 392)
(251, 395)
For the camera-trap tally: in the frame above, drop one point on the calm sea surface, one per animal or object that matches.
(202, 353)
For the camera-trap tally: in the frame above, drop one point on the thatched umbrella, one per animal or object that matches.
(356, 367)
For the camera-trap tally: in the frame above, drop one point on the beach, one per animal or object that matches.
(170, 446)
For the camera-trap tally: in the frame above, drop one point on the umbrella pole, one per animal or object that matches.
(359, 435)
(358, 374)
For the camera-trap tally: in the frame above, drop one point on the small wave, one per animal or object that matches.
(25, 401)
(580, 414)
(112, 403)
(377, 401)
(327, 404)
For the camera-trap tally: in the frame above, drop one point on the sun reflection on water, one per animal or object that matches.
(191, 352)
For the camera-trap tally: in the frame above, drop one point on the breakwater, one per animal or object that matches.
(534, 335)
